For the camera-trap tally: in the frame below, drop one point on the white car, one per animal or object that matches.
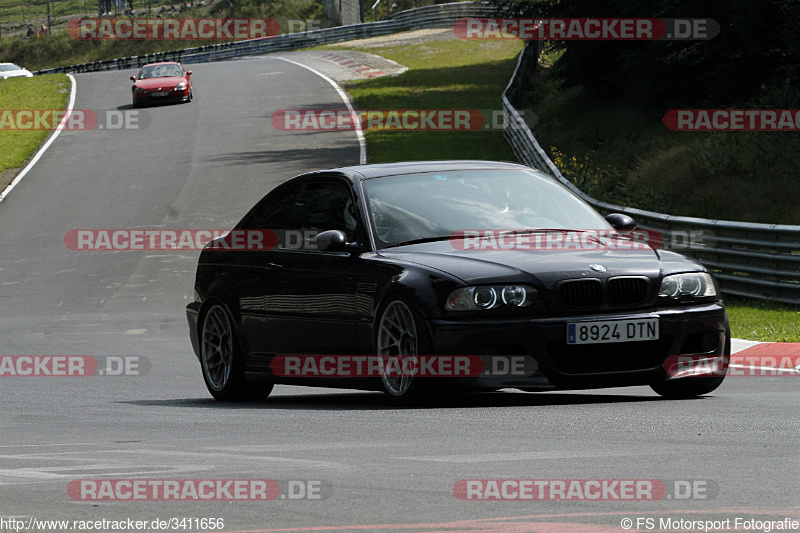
(10, 70)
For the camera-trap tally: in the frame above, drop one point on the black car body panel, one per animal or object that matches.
(288, 301)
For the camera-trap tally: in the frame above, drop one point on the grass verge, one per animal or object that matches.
(449, 74)
(763, 321)
(37, 93)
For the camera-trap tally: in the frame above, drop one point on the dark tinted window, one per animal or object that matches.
(272, 212)
(323, 206)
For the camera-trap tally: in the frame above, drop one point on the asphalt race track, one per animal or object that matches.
(370, 467)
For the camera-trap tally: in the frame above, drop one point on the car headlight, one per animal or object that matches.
(491, 297)
(694, 284)
(181, 86)
(138, 90)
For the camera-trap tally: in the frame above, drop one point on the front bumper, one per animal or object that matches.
(173, 96)
(550, 363)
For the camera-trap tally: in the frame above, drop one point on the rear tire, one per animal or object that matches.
(222, 362)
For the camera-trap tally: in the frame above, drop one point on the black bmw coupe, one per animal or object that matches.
(439, 265)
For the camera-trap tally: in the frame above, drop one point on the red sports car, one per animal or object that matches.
(162, 82)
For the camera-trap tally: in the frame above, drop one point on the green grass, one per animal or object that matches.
(454, 74)
(62, 50)
(763, 321)
(39, 92)
(623, 153)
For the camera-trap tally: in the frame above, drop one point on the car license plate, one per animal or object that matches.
(161, 93)
(641, 329)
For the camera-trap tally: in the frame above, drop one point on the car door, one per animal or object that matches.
(253, 278)
(314, 304)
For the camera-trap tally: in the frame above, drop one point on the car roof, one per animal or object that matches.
(358, 173)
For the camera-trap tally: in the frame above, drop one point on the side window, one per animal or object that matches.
(273, 212)
(323, 206)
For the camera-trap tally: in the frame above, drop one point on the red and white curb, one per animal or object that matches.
(352, 64)
(786, 355)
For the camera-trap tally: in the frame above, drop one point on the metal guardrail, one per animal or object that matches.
(423, 17)
(752, 260)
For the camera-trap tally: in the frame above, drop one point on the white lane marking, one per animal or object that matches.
(46, 445)
(56, 473)
(287, 461)
(271, 448)
(269, 73)
(161, 453)
(47, 144)
(362, 143)
(520, 456)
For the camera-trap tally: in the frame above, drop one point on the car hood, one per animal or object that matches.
(544, 266)
(159, 83)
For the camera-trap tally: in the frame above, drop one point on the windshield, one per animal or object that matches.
(9, 67)
(160, 71)
(434, 205)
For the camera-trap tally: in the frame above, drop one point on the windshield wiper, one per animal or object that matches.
(423, 240)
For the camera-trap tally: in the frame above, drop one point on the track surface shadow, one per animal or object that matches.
(366, 401)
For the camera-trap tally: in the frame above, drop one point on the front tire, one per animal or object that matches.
(222, 362)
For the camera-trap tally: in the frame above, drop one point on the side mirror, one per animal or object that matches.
(133, 78)
(188, 72)
(620, 221)
(334, 240)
